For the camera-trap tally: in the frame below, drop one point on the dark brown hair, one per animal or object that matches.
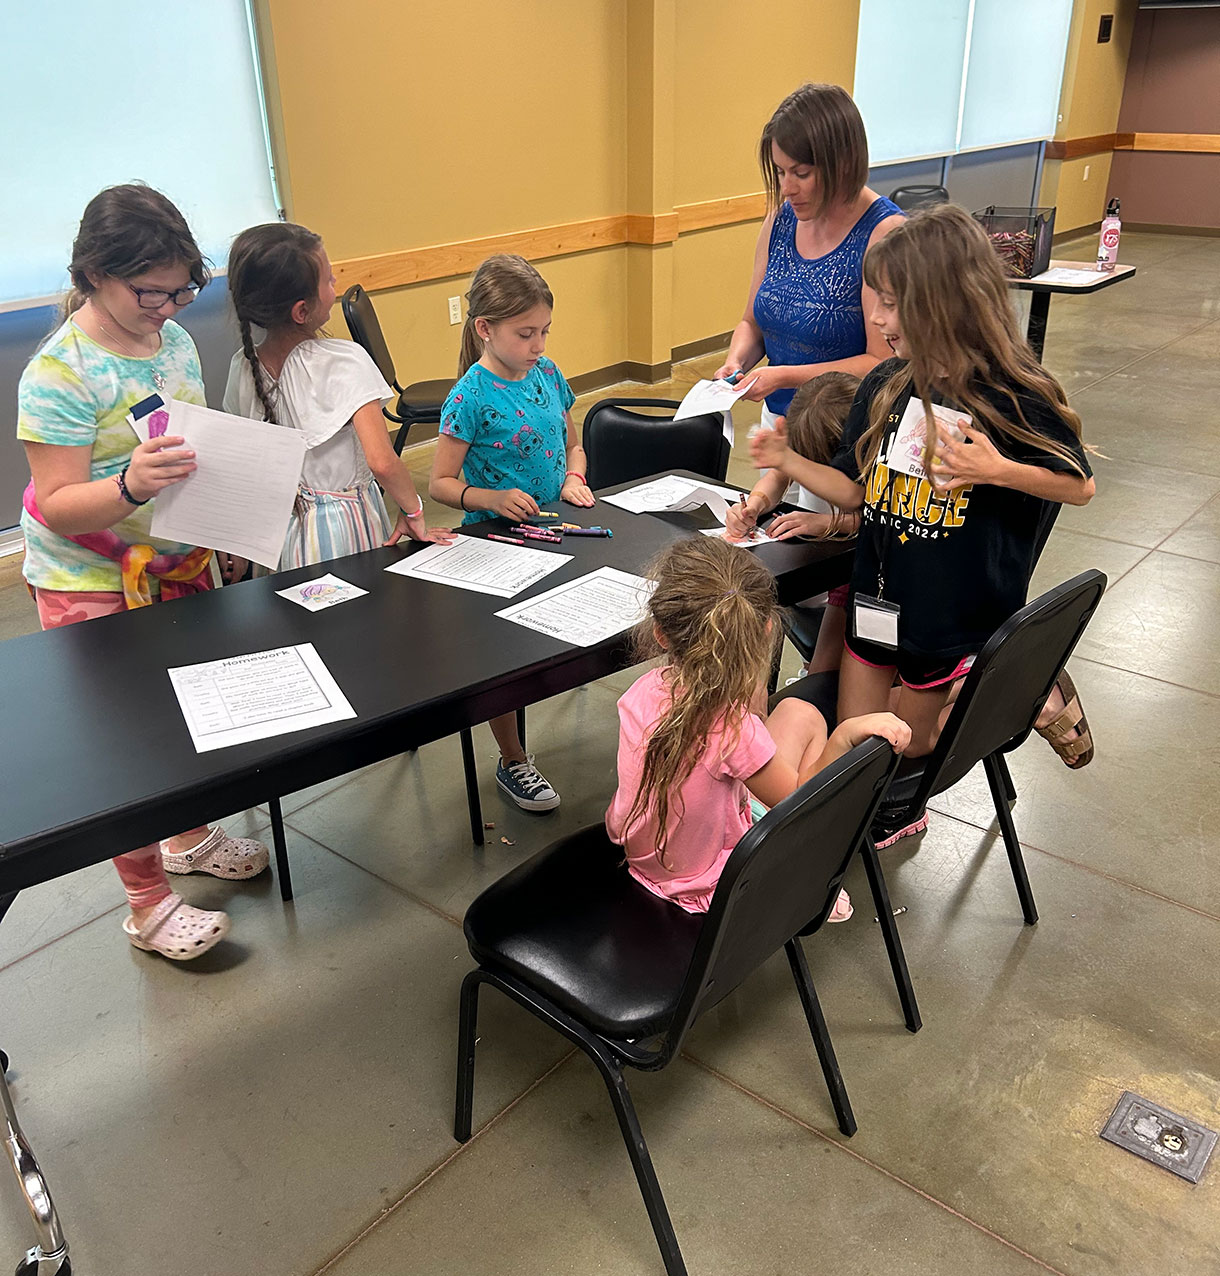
(271, 268)
(714, 608)
(960, 332)
(818, 125)
(503, 286)
(126, 231)
(816, 416)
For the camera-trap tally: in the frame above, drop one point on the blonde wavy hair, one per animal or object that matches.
(713, 616)
(961, 335)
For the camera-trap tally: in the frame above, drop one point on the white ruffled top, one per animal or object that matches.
(321, 386)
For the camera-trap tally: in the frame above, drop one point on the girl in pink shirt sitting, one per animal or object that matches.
(695, 739)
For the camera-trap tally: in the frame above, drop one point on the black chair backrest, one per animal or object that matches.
(783, 877)
(909, 198)
(621, 445)
(363, 324)
(1011, 679)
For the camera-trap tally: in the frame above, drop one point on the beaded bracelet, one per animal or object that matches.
(124, 492)
(575, 474)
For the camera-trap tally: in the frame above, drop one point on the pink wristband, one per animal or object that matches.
(574, 474)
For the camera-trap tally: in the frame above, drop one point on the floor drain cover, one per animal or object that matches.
(1165, 1138)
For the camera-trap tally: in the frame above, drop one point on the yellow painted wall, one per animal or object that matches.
(729, 75)
(405, 125)
(1088, 105)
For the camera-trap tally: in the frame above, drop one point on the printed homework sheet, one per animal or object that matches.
(587, 610)
(254, 697)
(487, 567)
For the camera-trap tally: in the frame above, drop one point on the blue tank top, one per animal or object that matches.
(809, 308)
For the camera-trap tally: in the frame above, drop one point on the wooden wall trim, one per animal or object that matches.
(1073, 147)
(443, 261)
(1183, 143)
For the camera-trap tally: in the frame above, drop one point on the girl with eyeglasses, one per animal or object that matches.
(87, 512)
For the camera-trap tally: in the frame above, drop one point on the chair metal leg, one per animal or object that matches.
(1010, 789)
(821, 1037)
(995, 780)
(282, 871)
(521, 725)
(889, 929)
(468, 1019)
(50, 1255)
(616, 1085)
(472, 787)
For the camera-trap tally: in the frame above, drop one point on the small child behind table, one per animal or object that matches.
(695, 740)
(329, 390)
(810, 431)
(507, 445)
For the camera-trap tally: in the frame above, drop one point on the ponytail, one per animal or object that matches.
(503, 286)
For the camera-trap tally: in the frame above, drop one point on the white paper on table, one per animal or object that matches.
(713, 396)
(324, 591)
(756, 537)
(487, 567)
(670, 493)
(241, 496)
(907, 446)
(266, 693)
(587, 610)
(1066, 275)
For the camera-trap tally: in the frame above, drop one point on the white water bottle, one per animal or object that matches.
(1107, 247)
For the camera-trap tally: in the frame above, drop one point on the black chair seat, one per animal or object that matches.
(612, 954)
(801, 624)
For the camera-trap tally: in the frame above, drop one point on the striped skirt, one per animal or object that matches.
(331, 524)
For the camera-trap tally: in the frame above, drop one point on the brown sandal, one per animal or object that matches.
(1076, 750)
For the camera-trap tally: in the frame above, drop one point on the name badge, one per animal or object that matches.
(876, 621)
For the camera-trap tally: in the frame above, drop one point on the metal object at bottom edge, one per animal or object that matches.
(1168, 1139)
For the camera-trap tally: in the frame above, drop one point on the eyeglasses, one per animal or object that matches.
(155, 298)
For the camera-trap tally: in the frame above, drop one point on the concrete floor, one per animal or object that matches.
(284, 1104)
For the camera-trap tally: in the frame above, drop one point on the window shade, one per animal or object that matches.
(129, 90)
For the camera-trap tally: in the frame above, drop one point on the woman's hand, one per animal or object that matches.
(576, 492)
(740, 521)
(513, 503)
(800, 523)
(726, 370)
(158, 464)
(413, 528)
(769, 448)
(232, 567)
(972, 460)
(765, 381)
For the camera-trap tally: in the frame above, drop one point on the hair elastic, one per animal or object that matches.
(461, 499)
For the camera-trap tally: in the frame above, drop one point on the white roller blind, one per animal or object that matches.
(909, 76)
(1015, 71)
(934, 77)
(99, 93)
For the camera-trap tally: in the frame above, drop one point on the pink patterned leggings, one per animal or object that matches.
(141, 871)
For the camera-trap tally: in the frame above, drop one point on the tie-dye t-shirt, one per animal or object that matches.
(516, 431)
(76, 393)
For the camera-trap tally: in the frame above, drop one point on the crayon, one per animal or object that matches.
(588, 531)
(505, 540)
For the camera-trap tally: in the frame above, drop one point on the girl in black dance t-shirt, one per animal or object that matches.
(955, 504)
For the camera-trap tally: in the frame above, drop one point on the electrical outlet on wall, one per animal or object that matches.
(1086, 171)
(455, 310)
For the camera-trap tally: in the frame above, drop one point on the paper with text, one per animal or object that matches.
(587, 610)
(254, 697)
(325, 591)
(672, 493)
(487, 567)
(713, 396)
(907, 446)
(241, 497)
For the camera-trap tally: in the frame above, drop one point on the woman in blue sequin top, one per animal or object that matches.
(808, 297)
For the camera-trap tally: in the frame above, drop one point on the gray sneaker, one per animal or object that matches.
(526, 785)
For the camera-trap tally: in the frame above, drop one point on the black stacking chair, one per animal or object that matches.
(909, 198)
(623, 974)
(999, 702)
(621, 444)
(419, 403)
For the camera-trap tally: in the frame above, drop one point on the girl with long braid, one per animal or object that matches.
(280, 280)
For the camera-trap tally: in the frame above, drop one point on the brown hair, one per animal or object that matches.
(124, 232)
(714, 610)
(818, 125)
(816, 416)
(271, 268)
(503, 286)
(961, 334)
